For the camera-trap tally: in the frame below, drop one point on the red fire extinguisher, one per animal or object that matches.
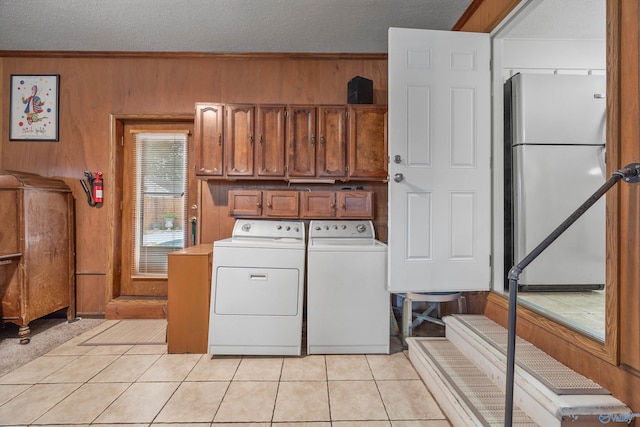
(94, 196)
(96, 188)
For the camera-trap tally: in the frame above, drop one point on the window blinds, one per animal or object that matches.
(159, 214)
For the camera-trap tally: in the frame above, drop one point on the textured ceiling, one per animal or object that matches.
(314, 26)
(329, 26)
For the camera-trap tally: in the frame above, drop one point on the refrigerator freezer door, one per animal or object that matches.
(550, 183)
(559, 109)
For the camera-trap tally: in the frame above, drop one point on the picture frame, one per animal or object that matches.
(34, 107)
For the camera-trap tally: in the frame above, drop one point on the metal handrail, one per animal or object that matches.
(630, 174)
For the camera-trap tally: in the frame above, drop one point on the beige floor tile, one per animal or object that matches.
(69, 349)
(361, 423)
(355, 401)
(126, 369)
(184, 425)
(148, 349)
(170, 367)
(140, 403)
(302, 401)
(348, 367)
(247, 401)
(193, 402)
(108, 349)
(30, 405)
(285, 424)
(36, 370)
(219, 368)
(80, 370)
(259, 368)
(420, 423)
(392, 367)
(84, 404)
(239, 425)
(307, 368)
(409, 400)
(9, 391)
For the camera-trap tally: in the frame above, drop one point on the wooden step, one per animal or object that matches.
(547, 392)
(136, 307)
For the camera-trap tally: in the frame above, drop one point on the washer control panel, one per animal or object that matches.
(268, 229)
(337, 229)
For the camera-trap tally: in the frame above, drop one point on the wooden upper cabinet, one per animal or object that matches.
(301, 141)
(208, 138)
(270, 141)
(245, 203)
(368, 147)
(281, 203)
(239, 139)
(355, 204)
(318, 204)
(331, 150)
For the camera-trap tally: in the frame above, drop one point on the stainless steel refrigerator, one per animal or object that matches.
(555, 160)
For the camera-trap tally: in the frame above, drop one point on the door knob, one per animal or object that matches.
(397, 158)
(398, 177)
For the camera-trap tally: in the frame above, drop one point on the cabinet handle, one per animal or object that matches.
(269, 205)
(261, 139)
(343, 207)
(251, 139)
(258, 205)
(313, 140)
(332, 205)
(322, 140)
(219, 139)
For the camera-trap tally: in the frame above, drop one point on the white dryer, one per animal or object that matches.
(257, 289)
(348, 305)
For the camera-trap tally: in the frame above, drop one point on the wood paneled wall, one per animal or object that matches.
(96, 86)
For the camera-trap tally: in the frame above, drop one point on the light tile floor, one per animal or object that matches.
(142, 385)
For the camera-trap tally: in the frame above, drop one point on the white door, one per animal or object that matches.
(439, 148)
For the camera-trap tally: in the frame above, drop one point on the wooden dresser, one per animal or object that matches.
(37, 249)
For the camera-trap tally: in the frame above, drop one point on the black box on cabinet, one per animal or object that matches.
(360, 91)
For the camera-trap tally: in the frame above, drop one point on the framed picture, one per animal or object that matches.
(34, 107)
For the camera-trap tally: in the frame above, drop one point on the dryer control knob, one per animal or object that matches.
(361, 228)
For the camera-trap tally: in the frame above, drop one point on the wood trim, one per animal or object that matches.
(483, 16)
(114, 191)
(190, 55)
(612, 306)
(529, 322)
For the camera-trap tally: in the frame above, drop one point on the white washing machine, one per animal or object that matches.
(257, 289)
(348, 305)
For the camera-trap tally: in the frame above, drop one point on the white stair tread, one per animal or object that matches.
(547, 391)
(467, 395)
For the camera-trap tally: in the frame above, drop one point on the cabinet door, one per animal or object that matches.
(245, 203)
(318, 204)
(368, 150)
(281, 203)
(301, 154)
(270, 144)
(332, 148)
(239, 139)
(208, 139)
(355, 204)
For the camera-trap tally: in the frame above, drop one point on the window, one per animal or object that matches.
(160, 199)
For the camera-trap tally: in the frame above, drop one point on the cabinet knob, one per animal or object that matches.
(261, 139)
(269, 206)
(251, 139)
(322, 140)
